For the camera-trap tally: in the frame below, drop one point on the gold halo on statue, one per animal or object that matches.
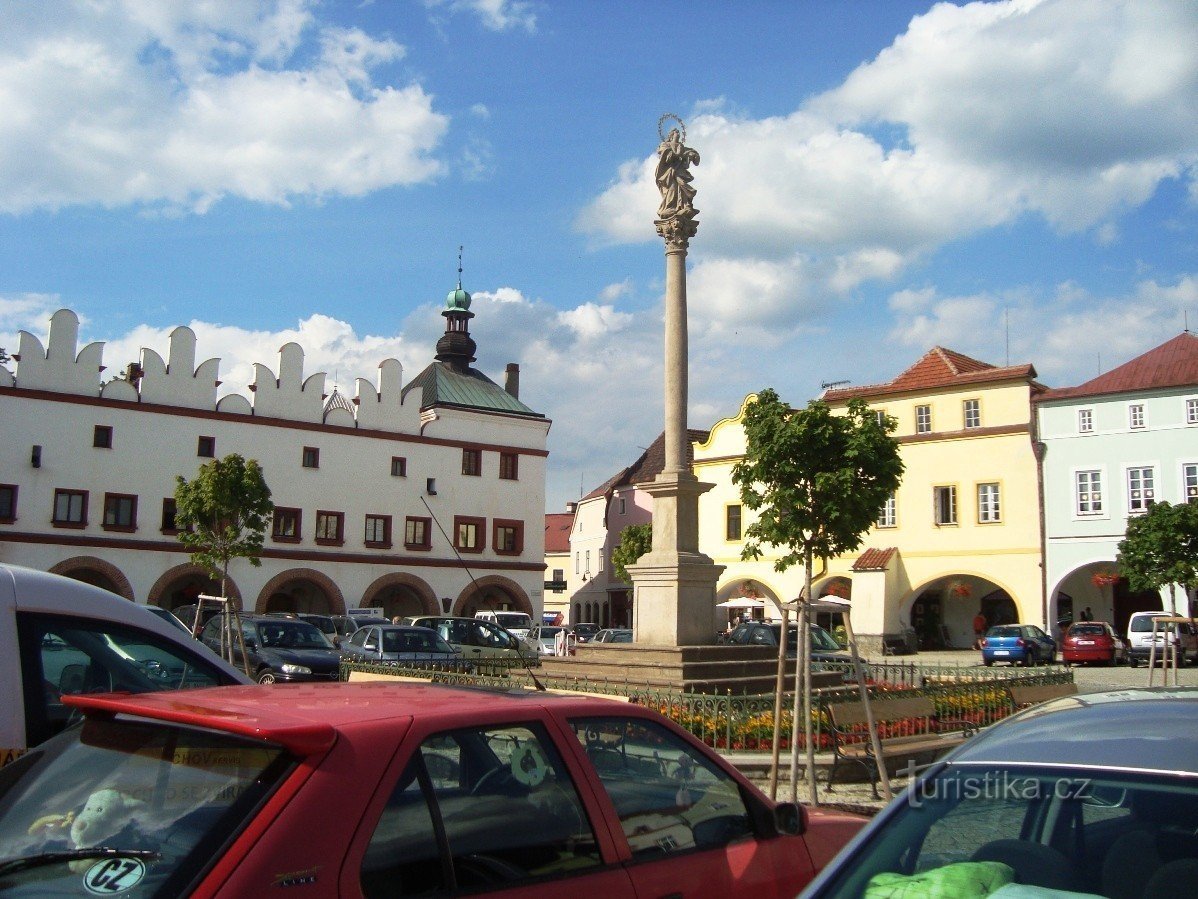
(681, 126)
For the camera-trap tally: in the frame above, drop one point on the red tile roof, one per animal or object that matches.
(874, 559)
(1172, 364)
(650, 463)
(938, 367)
(557, 531)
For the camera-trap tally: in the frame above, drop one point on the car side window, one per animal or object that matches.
(61, 655)
(669, 797)
(761, 637)
(479, 809)
(359, 637)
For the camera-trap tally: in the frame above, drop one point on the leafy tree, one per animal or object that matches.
(1160, 549)
(816, 481)
(635, 541)
(222, 514)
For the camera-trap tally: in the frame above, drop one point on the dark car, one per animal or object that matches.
(824, 647)
(396, 643)
(1019, 644)
(614, 635)
(279, 649)
(584, 631)
(336, 627)
(1088, 795)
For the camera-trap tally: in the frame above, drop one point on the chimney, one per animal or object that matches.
(511, 379)
(571, 508)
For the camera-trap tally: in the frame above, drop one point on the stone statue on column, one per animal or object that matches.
(676, 214)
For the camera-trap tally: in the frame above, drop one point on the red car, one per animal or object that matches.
(1093, 641)
(383, 789)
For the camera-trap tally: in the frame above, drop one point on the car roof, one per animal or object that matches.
(1142, 729)
(305, 718)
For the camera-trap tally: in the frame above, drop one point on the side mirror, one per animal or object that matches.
(369, 646)
(251, 643)
(790, 819)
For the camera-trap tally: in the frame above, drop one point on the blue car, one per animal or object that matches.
(1023, 644)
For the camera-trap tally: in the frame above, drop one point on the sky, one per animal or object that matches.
(1014, 180)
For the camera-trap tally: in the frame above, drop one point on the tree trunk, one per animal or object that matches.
(779, 689)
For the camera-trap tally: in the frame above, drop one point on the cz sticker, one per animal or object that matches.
(113, 875)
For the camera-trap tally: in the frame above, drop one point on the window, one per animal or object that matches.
(989, 506)
(509, 537)
(469, 534)
(945, 501)
(1140, 489)
(102, 437)
(206, 447)
(70, 509)
(8, 503)
(732, 522)
(623, 505)
(888, 514)
(472, 462)
(923, 419)
(880, 417)
(330, 528)
(416, 534)
(378, 531)
(311, 457)
(1085, 421)
(286, 527)
(653, 779)
(441, 830)
(399, 467)
(120, 512)
(1135, 415)
(509, 466)
(972, 410)
(1189, 482)
(1192, 412)
(1089, 493)
(169, 511)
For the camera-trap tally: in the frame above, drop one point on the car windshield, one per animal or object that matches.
(513, 620)
(1004, 631)
(1143, 625)
(972, 829)
(414, 641)
(548, 633)
(821, 640)
(167, 797)
(1086, 630)
(285, 634)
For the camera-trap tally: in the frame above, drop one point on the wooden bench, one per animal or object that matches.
(921, 732)
(1023, 696)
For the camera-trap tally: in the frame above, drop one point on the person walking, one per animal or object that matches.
(979, 629)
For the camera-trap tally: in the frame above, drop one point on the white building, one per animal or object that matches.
(1112, 446)
(422, 498)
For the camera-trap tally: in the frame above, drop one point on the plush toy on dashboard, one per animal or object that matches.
(106, 813)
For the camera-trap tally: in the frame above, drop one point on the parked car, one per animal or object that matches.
(1140, 638)
(518, 623)
(1093, 795)
(584, 630)
(169, 617)
(396, 643)
(477, 639)
(614, 635)
(60, 636)
(542, 636)
(1022, 644)
(245, 791)
(335, 627)
(278, 649)
(824, 647)
(1093, 641)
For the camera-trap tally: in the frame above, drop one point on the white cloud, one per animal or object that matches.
(495, 15)
(179, 105)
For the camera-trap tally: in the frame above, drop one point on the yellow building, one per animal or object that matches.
(962, 533)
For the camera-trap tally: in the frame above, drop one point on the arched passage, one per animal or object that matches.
(183, 584)
(96, 572)
(301, 590)
(492, 592)
(1099, 588)
(400, 595)
(942, 611)
(744, 598)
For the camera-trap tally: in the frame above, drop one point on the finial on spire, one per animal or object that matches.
(459, 266)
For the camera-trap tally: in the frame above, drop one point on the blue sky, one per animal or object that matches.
(876, 178)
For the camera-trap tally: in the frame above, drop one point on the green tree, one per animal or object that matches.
(1160, 549)
(222, 514)
(635, 541)
(816, 481)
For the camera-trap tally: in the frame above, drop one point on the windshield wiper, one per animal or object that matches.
(68, 855)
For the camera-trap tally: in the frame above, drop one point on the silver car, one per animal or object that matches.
(396, 643)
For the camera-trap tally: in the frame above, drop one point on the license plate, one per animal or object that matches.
(1085, 642)
(1001, 652)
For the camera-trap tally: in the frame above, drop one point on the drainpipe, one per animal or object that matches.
(1039, 450)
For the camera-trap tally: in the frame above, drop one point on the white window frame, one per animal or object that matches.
(1189, 482)
(1096, 502)
(1141, 479)
(1137, 416)
(1192, 411)
(989, 503)
(952, 517)
(1085, 421)
(971, 409)
(923, 419)
(888, 514)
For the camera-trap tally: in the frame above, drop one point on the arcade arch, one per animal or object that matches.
(401, 595)
(183, 584)
(96, 572)
(941, 612)
(301, 590)
(1099, 587)
(493, 592)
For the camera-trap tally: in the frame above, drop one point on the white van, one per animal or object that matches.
(59, 636)
(1183, 635)
(518, 623)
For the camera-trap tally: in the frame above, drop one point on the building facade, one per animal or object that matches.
(422, 498)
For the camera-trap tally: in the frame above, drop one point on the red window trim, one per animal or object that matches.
(509, 523)
(385, 543)
(339, 540)
(10, 519)
(76, 525)
(481, 527)
(299, 525)
(428, 533)
(120, 528)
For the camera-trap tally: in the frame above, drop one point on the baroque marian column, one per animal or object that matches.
(674, 583)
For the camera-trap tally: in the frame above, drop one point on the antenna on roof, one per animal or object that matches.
(825, 385)
(1185, 317)
(1006, 322)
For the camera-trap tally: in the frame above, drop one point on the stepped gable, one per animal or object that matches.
(1172, 364)
(938, 367)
